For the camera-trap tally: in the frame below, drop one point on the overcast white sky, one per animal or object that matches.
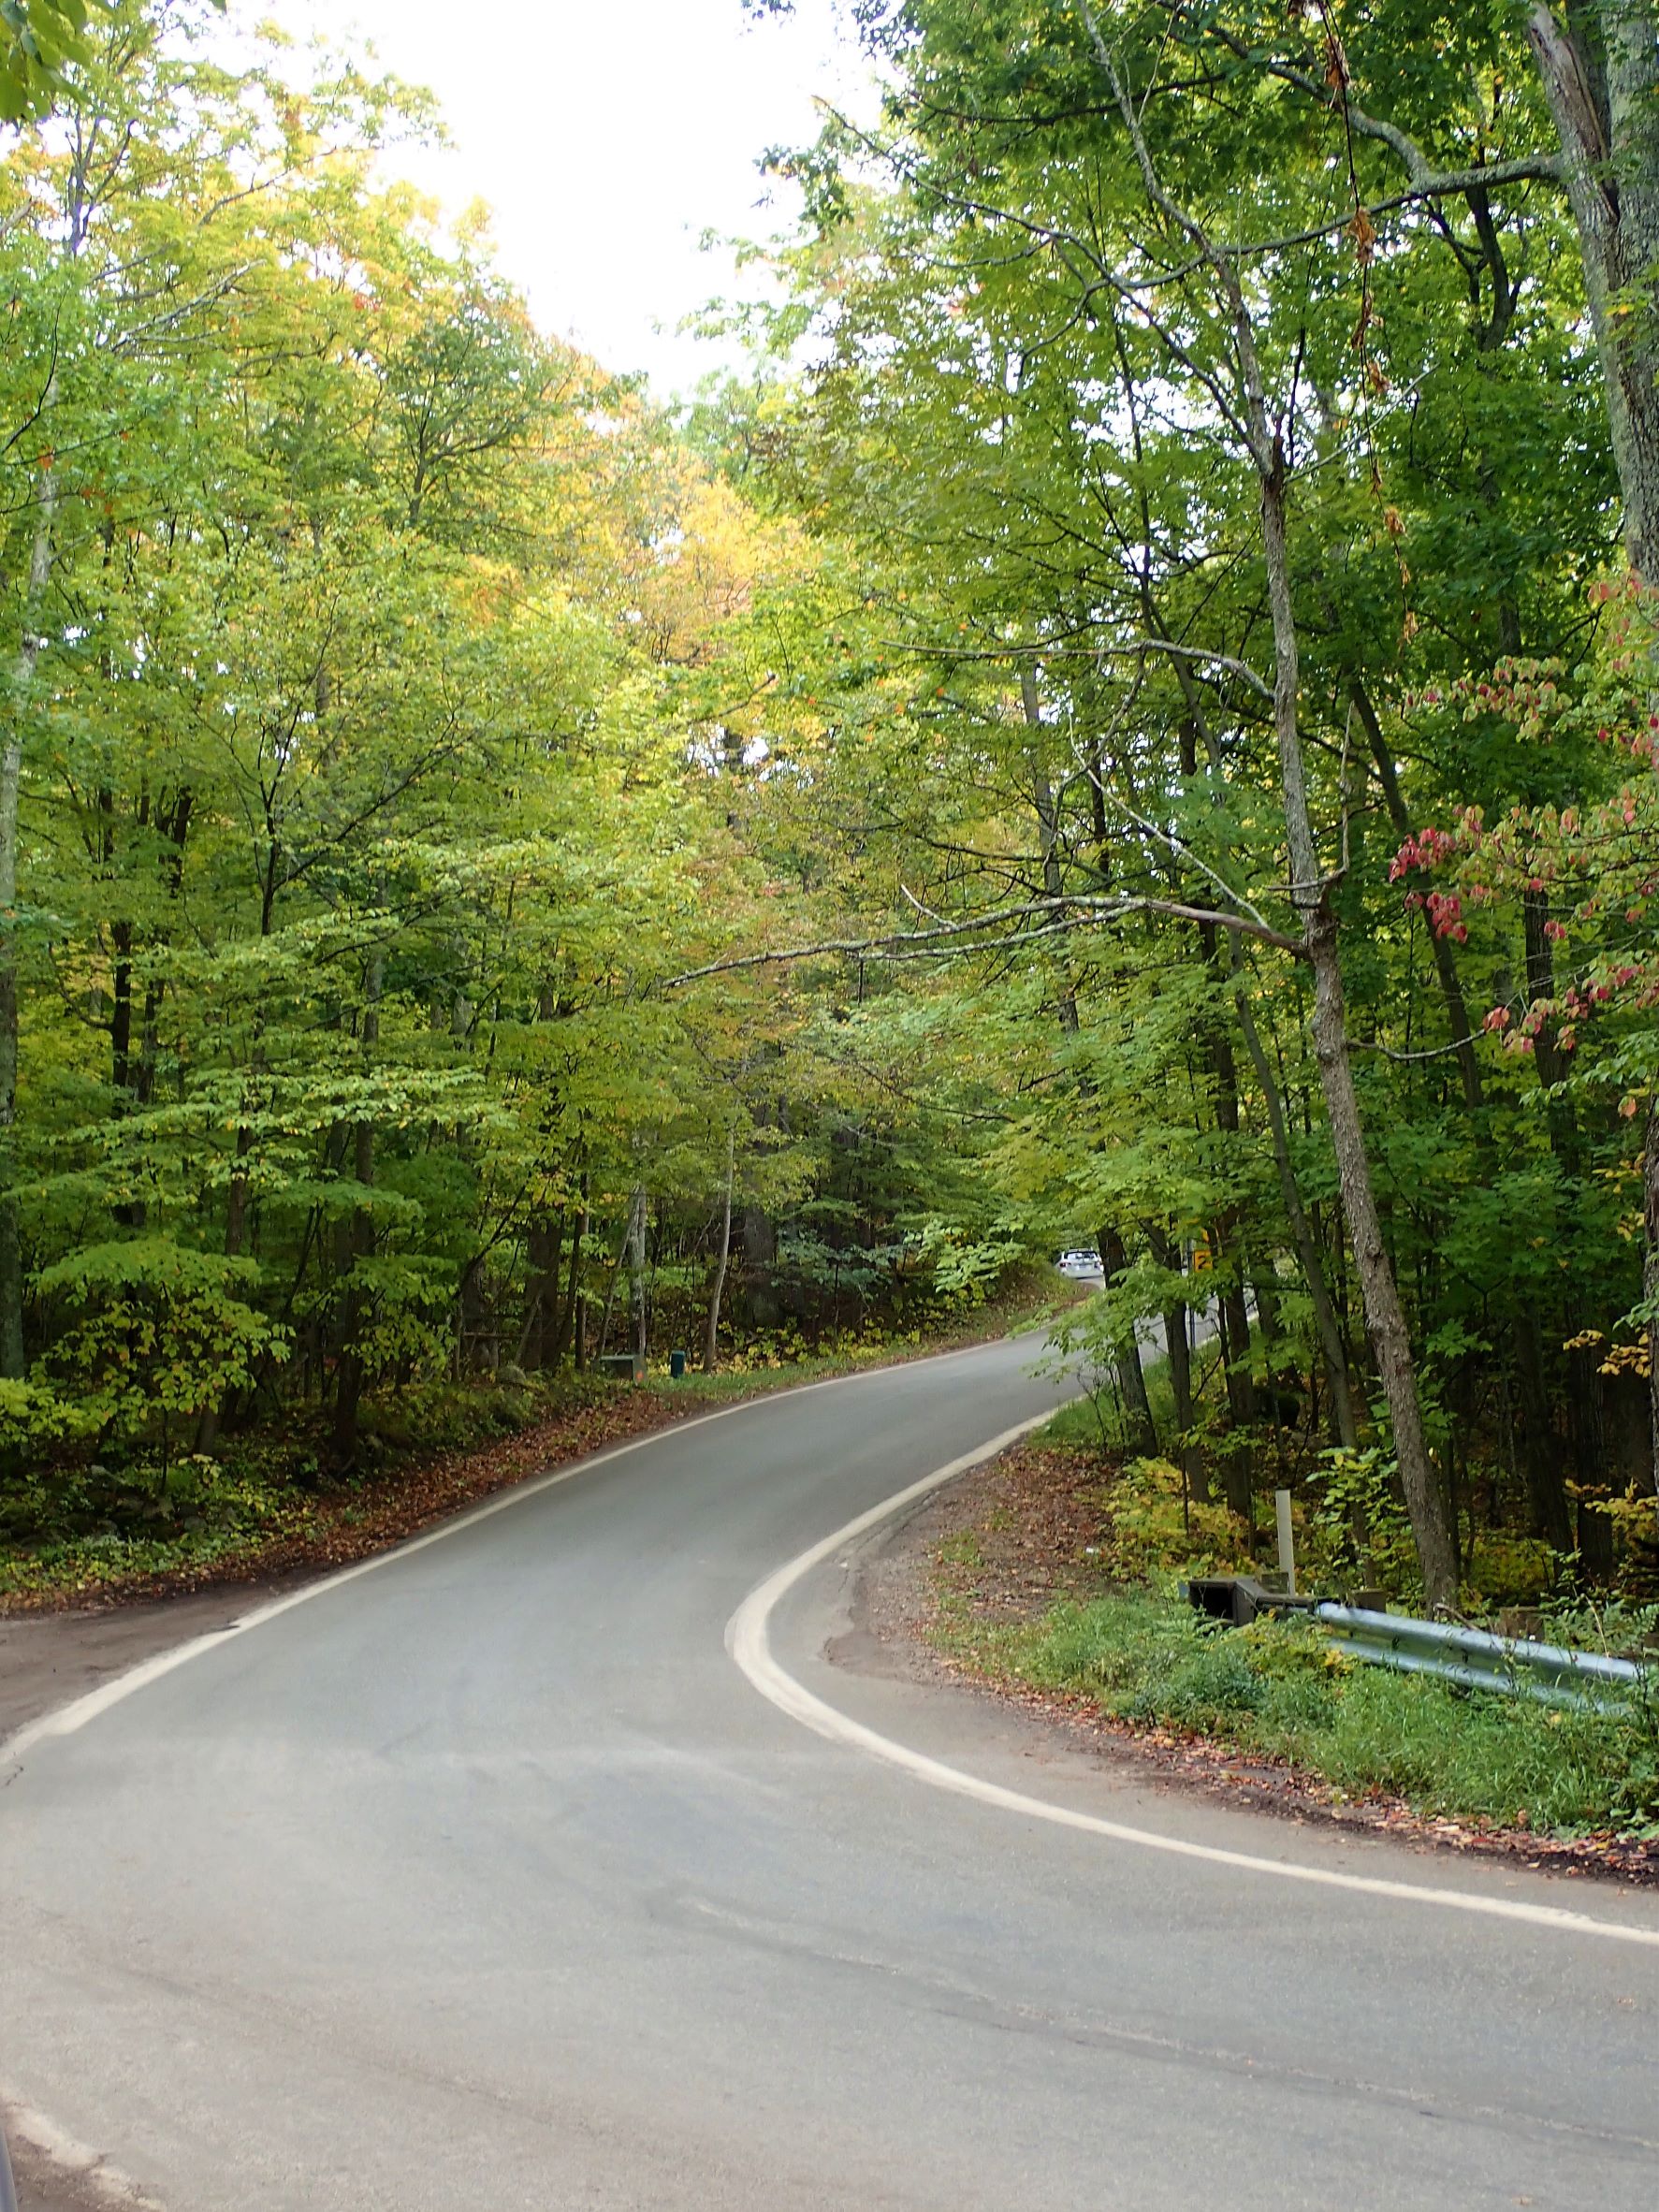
(607, 135)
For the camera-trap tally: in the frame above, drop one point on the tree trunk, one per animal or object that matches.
(1606, 112)
(712, 1336)
(544, 1249)
(11, 768)
(1307, 1249)
(1385, 1316)
(568, 1333)
(636, 1261)
(1178, 1350)
(760, 1252)
(1131, 1378)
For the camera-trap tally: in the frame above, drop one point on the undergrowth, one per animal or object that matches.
(98, 1526)
(1280, 1691)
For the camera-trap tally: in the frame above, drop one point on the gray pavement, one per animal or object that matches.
(486, 1880)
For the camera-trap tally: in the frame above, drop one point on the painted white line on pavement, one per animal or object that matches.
(93, 2176)
(749, 1640)
(66, 1720)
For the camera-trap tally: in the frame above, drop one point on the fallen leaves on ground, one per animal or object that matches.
(334, 1528)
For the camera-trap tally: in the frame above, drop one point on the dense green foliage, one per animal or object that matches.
(1134, 723)
(368, 774)
(1218, 406)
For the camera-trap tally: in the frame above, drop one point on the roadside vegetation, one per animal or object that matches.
(267, 1504)
(1103, 1626)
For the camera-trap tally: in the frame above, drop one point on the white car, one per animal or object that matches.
(1081, 1264)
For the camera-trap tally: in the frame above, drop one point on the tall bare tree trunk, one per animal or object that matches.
(1385, 1316)
(11, 768)
(711, 1335)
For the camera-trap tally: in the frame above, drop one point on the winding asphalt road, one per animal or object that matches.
(486, 1879)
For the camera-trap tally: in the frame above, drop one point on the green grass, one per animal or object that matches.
(1281, 1691)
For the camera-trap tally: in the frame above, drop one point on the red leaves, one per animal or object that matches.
(1431, 847)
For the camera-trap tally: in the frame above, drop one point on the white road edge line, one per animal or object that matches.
(67, 1720)
(93, 2172)
(749, 1640)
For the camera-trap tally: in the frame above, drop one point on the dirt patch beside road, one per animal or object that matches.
(45, 1659)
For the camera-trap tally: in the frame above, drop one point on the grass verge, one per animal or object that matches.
(1282, 1693)
(1028, 1595)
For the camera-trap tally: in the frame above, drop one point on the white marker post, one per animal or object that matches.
(1286, 1548)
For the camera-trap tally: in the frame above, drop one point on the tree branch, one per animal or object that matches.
(947, 938)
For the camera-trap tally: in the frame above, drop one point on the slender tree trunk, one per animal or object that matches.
(1178, 1350)
(1131, 1377)
(568, 1333)
(1307, 1249)
(1385, 1316)
(711, 1335)
(1606, 112)
(760, 1254)
(636, 1263)
(544, 1250)
(11, 768)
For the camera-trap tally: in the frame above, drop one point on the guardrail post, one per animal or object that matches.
(1286, 1545)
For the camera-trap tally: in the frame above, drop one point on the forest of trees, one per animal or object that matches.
(1136, 721)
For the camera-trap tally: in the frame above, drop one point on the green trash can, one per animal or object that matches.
(677, 1365)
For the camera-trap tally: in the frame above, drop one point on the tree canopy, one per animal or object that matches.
(1134, 723)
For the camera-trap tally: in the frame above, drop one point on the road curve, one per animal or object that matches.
(486, 1880)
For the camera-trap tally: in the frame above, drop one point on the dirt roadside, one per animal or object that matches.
(1035, 1527)
(45, 1659)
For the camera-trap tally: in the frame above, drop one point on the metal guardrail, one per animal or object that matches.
(7, 2193)
(1515, 1666)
